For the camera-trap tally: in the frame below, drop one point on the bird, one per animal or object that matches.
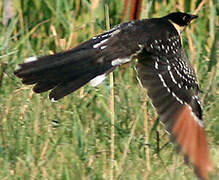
(162, 67)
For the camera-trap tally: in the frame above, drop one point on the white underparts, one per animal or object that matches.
(30, 59)
(97, 80)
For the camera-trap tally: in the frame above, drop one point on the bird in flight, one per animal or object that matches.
(162, 67)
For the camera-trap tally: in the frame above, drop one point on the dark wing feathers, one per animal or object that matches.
(163, 69)
(173, 88)
(69, 70)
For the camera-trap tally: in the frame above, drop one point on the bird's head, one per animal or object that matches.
(180, 20)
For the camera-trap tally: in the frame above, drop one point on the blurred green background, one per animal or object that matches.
(71, 139)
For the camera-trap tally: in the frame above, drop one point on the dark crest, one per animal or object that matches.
(182, 19)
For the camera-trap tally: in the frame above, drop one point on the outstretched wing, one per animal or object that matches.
(165, 71)
(91, 61)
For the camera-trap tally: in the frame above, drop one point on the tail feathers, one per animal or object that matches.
(63, 72)
(189, 134)
(40, 66)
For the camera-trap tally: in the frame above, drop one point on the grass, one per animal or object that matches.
(71, 139)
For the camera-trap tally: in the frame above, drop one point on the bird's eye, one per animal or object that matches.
(184, 18)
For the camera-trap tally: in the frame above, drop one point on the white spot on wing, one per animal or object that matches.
(100, 43)
(165, 85)
(174, 95)
(156, 65)
(172, 77)
(30, 59)
(103, 47)
(162, 80)
(119, 61)
(96, 45)
(158, 47)
(97, 80)
(103, 41)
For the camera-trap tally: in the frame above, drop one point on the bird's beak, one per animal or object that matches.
(193, 17)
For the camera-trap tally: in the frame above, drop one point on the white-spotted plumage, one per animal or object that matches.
(172, 77)
(158, 47)
(177, 98)
(179, 85)
(168, 89)
(100, 43)
(195, 97)
(162, 80)
(103, 47)
(120, 61)
(159, 51)
(156, 65)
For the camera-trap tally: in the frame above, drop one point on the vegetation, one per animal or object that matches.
(71, 139)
